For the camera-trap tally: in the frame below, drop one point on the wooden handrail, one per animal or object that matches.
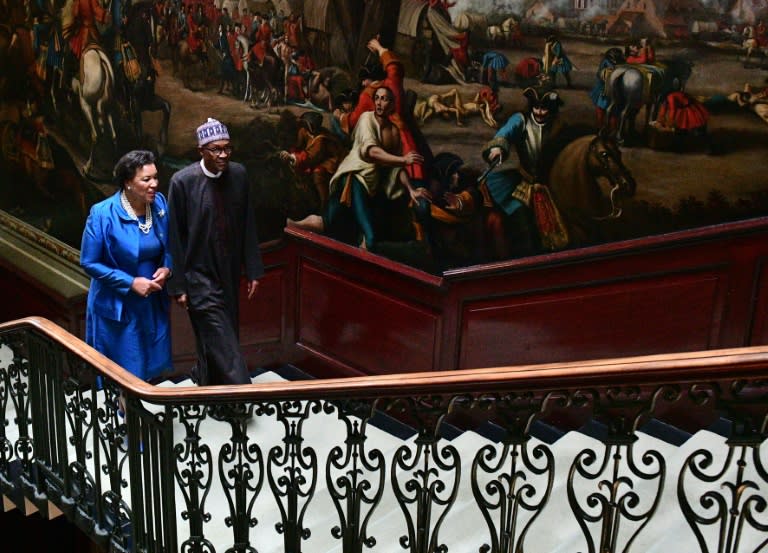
(355, 252)
(678, 368)
(612, 249)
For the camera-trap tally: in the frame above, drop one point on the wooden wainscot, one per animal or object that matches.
(40, 276)
(337, 310)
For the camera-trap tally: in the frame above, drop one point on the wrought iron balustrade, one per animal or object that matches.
(424, 463)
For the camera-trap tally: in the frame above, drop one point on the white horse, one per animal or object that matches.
(245, 48)
(751, 46)
(495, 34)
(510, 29)
(95, 88)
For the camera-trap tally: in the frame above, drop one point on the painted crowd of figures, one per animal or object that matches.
(395, 197)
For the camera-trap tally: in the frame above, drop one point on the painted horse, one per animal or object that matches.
(632, 87)
(95, 87)
(575, 181)
(140, 32)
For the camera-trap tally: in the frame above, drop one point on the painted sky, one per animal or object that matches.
(497, 7)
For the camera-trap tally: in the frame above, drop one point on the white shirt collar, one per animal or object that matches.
(208, 173)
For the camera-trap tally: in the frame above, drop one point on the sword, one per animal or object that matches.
(490, 168)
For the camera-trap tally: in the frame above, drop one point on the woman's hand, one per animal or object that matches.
(161, 275)
(143, 287)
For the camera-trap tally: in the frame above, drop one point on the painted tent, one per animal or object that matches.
(424, 36)
(475, 23)
(749, 11)
(319, 22)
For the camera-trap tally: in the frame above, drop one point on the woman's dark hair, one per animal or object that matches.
(126, 167)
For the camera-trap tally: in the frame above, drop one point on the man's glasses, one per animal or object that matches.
(218, 150)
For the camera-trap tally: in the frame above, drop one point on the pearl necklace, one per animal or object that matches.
(143, 227)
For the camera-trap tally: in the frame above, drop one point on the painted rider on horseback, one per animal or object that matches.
(83, 31)
(512, 193)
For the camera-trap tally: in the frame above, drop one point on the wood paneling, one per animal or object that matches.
(338, 310)
(362, 327)
(696, 290)
(673, 314)
(759, 314)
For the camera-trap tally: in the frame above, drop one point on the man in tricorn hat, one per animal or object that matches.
(536, 136)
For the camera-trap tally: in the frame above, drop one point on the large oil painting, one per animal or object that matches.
(438, 133)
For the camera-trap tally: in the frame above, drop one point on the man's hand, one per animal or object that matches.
(375, 46)
(252, 287)
(453, 202)
(494, 155)
(421, 193)
(412, 157)
(182, 301)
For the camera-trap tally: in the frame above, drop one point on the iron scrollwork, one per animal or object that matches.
(362, 480)
(515, 471)
(418, 476)
(241, 472)
(194, 477)
(618, 500)
(294, 489)
(740, 501)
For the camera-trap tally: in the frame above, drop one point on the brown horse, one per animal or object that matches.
(140, 30)
(186, 63)
(576, 179)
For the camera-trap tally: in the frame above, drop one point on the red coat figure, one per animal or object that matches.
(761, 34)
(85, 14)
(264, 32)
(461, 53)
(394, 81)
(683, 113)
(262, 42)
(194, 40)
(293, 31)
(247, 21)
(236, 49)
(645, 54)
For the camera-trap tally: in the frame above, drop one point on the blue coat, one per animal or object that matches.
(597, 94)
(131, 330)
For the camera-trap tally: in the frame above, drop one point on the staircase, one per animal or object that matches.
(433, 478)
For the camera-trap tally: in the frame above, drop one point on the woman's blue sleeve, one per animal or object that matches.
(93, 256)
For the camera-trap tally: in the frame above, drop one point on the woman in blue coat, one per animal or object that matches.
(124, 251)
